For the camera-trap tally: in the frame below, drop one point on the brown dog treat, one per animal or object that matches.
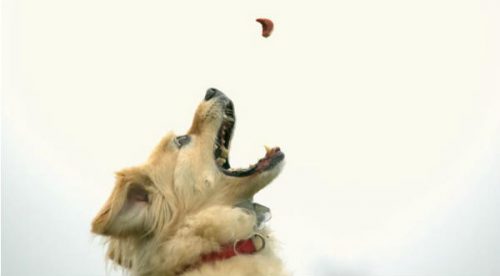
(267, 26)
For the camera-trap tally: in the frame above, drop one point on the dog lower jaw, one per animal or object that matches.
(273, 157)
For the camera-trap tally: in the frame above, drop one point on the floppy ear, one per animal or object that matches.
(126, 211)
(120, 251)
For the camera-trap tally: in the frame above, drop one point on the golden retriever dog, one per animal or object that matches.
(185, 211)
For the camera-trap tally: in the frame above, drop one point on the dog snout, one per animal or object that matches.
(213, 93)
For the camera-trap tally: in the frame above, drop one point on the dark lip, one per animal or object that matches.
(271, 163)
(272, 158)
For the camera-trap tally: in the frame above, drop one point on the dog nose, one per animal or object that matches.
(213, 93)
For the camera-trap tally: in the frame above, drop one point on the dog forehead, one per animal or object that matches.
(164, 149)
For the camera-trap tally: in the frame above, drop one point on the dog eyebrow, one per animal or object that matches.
(182, 140)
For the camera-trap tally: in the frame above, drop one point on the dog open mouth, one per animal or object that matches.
(221, 149)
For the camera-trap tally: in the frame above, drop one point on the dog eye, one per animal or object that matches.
(182, 140)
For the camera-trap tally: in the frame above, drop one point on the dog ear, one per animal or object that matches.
(126, 211)
(133, 213)
(120, 251)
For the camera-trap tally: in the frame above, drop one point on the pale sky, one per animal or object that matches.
(388, 113)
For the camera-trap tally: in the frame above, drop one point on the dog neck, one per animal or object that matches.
(214, 234)
(241, 247)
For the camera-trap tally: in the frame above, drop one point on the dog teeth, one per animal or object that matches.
(221, 161)
(224, 152)
(268, 149)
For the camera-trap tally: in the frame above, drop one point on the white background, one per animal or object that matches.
(388, 112)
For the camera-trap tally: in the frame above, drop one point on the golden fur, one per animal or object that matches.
(164, 214)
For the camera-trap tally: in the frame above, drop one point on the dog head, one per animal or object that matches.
(183, 175)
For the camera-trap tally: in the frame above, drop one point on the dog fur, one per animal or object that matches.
(164, 214)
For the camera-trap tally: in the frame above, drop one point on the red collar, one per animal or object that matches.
(241, 247)
(230, 250)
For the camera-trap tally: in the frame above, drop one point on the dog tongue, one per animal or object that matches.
(263, 163)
